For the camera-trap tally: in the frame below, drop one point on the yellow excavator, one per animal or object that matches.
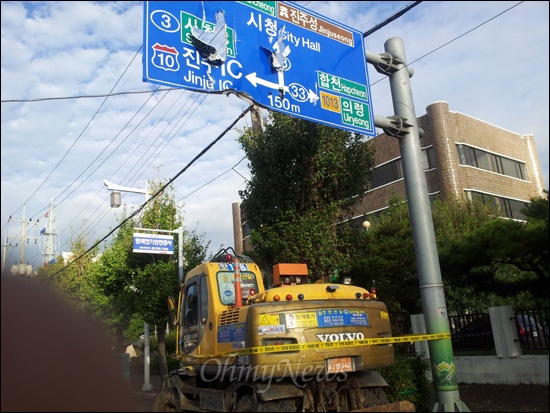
(292, 347)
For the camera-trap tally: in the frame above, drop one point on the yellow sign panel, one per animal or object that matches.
(330, 102)
(306, 319)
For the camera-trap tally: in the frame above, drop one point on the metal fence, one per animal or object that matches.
(532, 326)
(473, 332)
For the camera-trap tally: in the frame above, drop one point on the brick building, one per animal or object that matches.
(464, 157)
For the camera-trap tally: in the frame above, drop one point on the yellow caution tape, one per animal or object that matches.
(327, 345)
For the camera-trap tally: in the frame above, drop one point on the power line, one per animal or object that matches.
(377, 27)
(136, 92)
(391, 18)
(216, 177)
(75, 141)
(161, 189)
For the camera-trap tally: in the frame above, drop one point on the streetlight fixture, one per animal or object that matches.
(115, 199)
(115, 203)
(117, 189)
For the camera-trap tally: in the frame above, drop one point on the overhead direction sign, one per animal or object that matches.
(277, 54)
(153, 243)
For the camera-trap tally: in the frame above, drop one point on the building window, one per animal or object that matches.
(245, 227)
(509, 208)
(434, 197)
(386, 173)
(428, 158)
(491, 162)
(393, 171)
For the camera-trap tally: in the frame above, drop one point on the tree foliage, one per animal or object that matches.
(303, 178)
(120, 286)
(140, 283)
(303, 181)
(76, 280)
(485, 260)
(384, 258)
(503, 257)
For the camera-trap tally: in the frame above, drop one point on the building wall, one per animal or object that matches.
(525, 369)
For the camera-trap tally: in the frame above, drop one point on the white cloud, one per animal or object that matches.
(64, 149)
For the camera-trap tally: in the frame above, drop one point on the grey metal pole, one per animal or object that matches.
(147, 386)
(147, 340)
(180, 253)
(447, 397)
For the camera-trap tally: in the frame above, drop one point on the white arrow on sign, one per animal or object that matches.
(313, 98)
(255, 80)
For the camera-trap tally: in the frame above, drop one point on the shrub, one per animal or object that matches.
(408, 380)
(170, 342)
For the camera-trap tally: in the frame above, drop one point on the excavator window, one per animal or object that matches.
(191, 316)
(226, 286)
(204, 299)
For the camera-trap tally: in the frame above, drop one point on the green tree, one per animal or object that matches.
(384, 258)
(116, 278)
(538, 209)
(195, 249)
(503, 257)
(141, 283)
(303, 180)
(76, 280)
(454, 218)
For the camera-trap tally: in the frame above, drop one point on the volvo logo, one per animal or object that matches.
(340, 337)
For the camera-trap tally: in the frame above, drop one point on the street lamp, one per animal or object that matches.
(115, 203)
(117, 189)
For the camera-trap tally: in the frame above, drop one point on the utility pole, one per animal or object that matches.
(50, 236)
(256, 118)
(6, 246)
(20, 268)
(237, 228)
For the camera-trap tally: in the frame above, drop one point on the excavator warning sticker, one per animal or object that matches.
(338, 318)
(270, 324)
(269, 319)
(275, 329)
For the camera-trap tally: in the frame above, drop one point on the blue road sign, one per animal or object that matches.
(276, 54)
(153, 243)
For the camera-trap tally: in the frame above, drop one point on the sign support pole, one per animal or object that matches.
(147, 386)
(447, 397)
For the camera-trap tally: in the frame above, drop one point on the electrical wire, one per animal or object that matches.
(160, 190)
(77, 139)
(112, 94)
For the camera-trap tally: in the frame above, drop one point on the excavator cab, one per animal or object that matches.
(289, 274)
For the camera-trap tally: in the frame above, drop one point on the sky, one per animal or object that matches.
(76, 110)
